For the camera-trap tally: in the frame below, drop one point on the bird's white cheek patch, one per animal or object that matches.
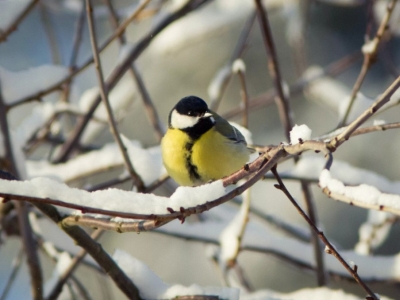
(179, 121)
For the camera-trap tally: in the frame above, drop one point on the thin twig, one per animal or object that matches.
(30, 247)
(5, 33)
(369, 58)
(286, 118)
(16, 267)
(383, 99)
(67, 272)
(273, 68)
(150, 108)
(113, 125)
(322, 236)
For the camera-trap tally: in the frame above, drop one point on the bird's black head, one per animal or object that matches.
(191, 114)
(191, 106)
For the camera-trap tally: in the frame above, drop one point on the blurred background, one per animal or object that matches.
(183, 60)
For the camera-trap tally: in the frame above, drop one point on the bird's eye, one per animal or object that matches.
(190, 113)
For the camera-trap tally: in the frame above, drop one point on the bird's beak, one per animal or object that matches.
(207, 115)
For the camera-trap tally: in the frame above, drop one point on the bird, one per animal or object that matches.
(200, 146)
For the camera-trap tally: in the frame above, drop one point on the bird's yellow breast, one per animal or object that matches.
(210, 157)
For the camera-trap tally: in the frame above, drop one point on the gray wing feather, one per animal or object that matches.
(228, 130)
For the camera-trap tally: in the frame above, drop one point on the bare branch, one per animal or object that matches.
(5, 33)
(322, 236)
(113, 125)
(281, 100)
(369, 58)
(384, 98)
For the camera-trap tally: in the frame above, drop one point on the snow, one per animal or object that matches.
(115, 199)
(303, 294)
(300, 132)
(152, 287)
(364, 194)
(374, 231)
(217, 81)
(238, 66)
(40, 113)
(310, 166)
(9, 11)
(370, 47)
(17, 85)
(148, 283)
(63, 262)
(379, 122)
(147, 163)
(230, 236)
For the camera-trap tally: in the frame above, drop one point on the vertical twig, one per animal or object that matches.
(321, 235)
(318, 250)
(285, 114)
(16, 267)
(240, 46)
(28, 241)
(273, 68)
(369, 59)
(150, 108)
(113, 126)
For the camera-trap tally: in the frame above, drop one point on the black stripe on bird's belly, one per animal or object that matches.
(192, 169)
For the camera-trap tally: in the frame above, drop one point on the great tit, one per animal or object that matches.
(199, 145)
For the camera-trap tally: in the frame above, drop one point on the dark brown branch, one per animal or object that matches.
(281, 186)
(281, 100)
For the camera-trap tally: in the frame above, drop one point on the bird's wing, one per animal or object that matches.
(228, 130)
